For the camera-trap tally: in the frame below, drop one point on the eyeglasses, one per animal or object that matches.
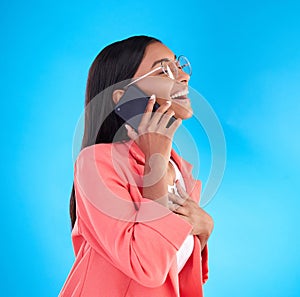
(169, 68)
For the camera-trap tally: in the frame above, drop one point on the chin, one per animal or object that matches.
(184, 115)
(182, 110)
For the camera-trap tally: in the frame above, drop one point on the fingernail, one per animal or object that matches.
(152, 97)
(127, 127)
(168, 102)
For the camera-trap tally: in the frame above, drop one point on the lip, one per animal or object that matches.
(180, 94)
(184, 100)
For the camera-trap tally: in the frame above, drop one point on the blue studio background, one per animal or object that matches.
(246, 62)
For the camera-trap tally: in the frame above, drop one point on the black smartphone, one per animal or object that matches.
(132, 105)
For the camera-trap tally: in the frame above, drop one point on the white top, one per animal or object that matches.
(187, 247)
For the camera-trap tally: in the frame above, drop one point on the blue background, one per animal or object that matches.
(246, 61)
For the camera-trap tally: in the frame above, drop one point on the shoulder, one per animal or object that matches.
(105, 151)
(105, 157)
(96, 150)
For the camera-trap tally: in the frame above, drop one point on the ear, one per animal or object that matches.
(117, 94)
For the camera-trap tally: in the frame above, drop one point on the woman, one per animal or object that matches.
(138, 229)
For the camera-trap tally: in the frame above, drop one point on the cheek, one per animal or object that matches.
(159, 86)
(161, 101)
(182, 112)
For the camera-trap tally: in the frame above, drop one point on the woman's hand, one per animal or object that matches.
(153, 136)
(155, 141)
(190, 211)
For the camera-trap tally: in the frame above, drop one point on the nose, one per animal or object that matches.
(183, 77)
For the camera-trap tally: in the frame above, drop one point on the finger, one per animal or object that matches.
(130, 132)
(176, 199)
(181, 191)
(148, 112)
(159, 112)
(166, 118)
(174, 126)
(173, 206)
(185, 218)
(182, 210)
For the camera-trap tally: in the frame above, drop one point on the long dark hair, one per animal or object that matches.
(117, 62)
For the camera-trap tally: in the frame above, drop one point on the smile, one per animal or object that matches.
(180, 95)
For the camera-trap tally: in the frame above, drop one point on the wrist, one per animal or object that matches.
(156, 189)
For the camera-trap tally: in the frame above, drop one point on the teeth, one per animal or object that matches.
(179, 94)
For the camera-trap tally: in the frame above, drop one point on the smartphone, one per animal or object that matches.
(132, 105)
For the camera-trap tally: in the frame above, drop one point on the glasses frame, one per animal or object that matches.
(168, 73)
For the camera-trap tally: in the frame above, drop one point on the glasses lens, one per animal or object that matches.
(184, 64)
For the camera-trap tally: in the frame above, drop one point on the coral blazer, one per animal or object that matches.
(125, 244)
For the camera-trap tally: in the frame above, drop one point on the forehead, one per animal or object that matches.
(154, 52)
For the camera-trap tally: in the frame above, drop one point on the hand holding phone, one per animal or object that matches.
(132, 105)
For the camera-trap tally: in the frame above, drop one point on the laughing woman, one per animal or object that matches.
(137, 228)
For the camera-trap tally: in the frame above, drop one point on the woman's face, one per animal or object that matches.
(159, 84)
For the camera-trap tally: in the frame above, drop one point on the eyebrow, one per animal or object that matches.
(161, 60)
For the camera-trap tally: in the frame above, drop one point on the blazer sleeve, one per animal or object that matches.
(139, 238)
(204, 263)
